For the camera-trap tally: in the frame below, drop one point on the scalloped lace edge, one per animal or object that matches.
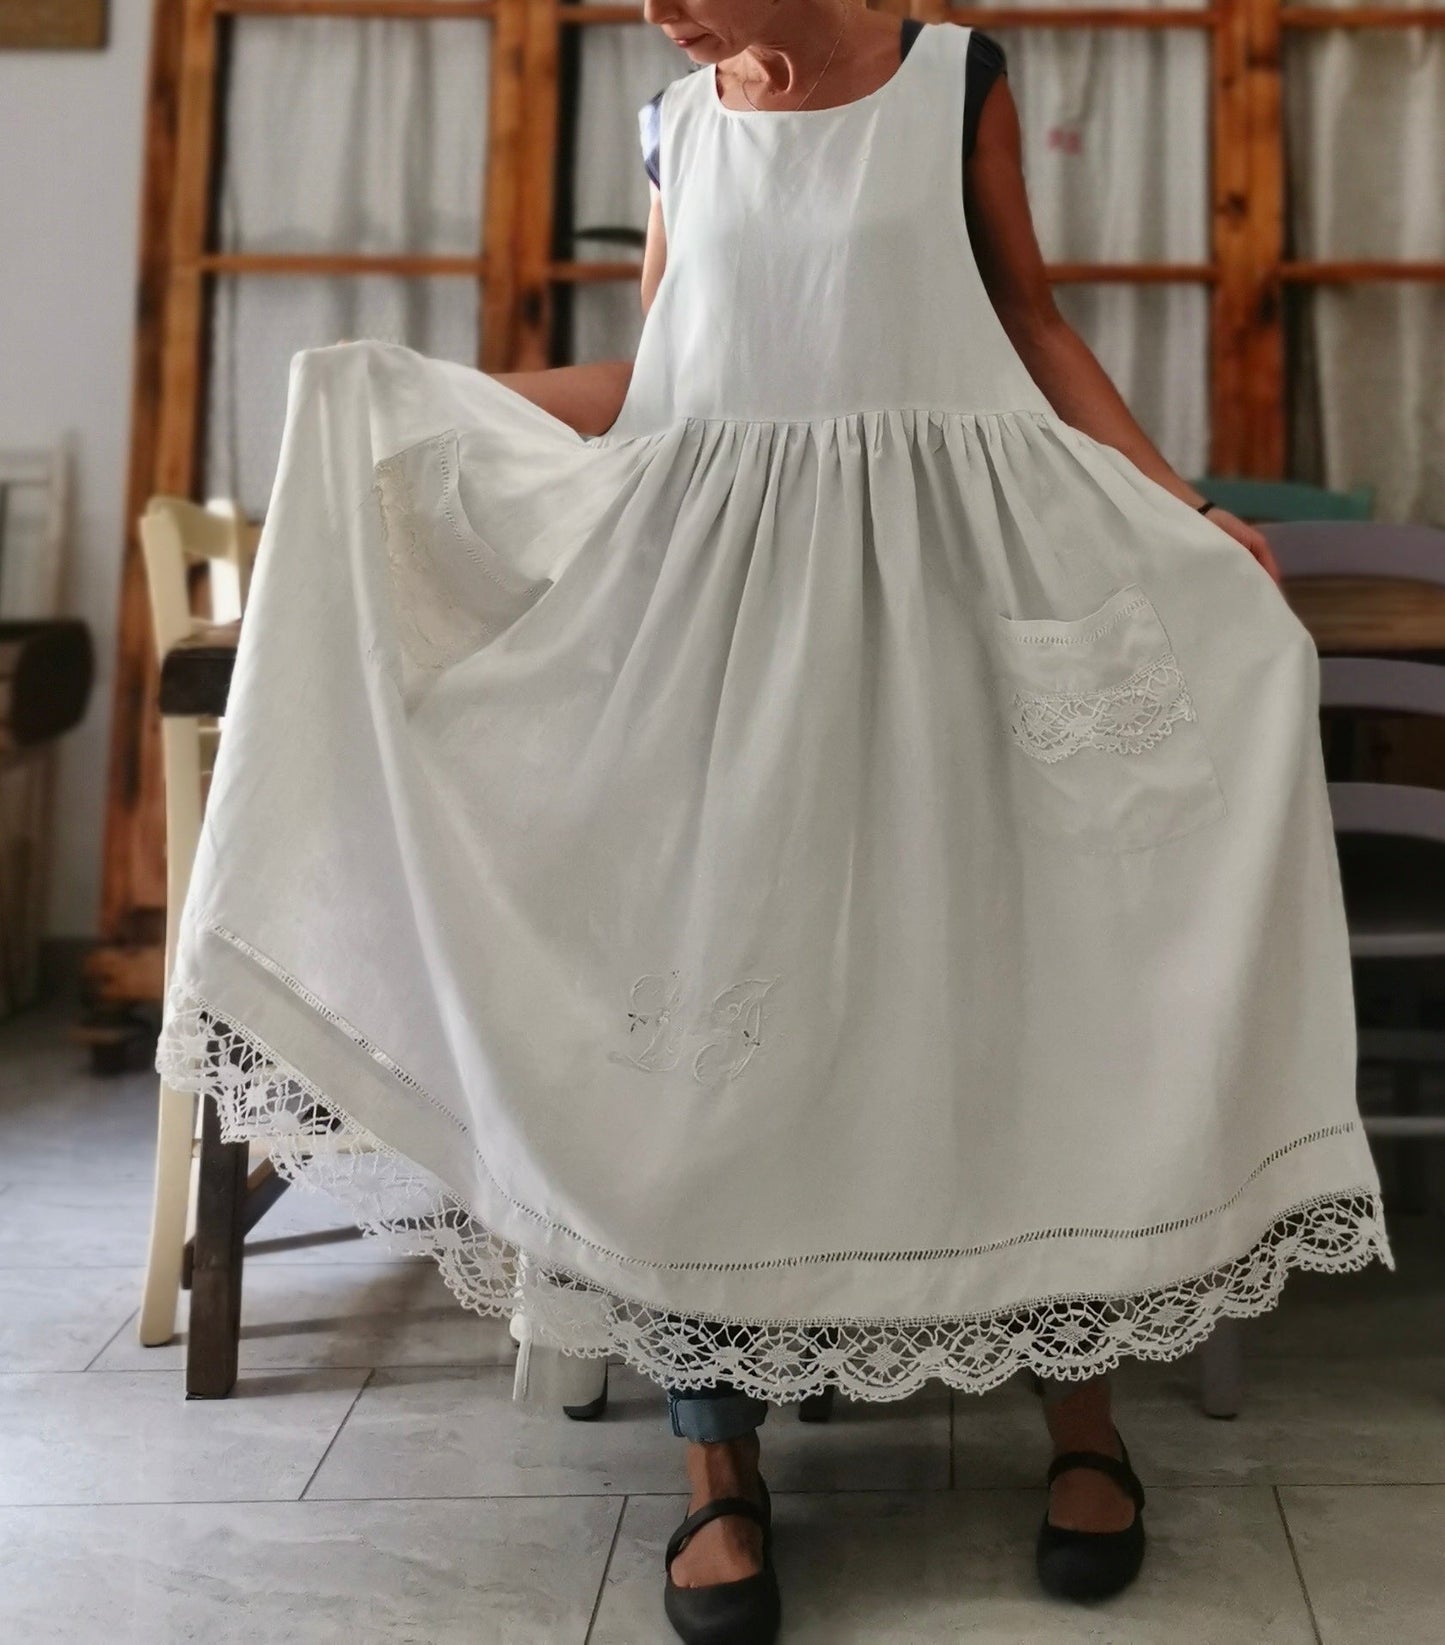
(314, 1143)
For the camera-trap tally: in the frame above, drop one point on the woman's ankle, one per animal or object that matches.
(730, 1548)
(728, 1467)
(1079, 1416)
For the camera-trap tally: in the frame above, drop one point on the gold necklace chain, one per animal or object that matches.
(742, 86)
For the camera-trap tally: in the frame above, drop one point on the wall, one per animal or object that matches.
(70, 133)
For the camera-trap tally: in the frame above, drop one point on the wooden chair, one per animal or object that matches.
(198, 658)
(1391, 918)
(177, 536)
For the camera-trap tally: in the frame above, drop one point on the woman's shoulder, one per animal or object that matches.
(984, 50)
(649, 120)
(649, 125)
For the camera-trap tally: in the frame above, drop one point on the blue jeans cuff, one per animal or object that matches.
(704, 1416)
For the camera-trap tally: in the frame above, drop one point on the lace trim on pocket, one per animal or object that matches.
(434, 628)
(1126, 718)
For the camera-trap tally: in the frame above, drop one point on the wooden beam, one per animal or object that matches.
(53, 25)
(1263, 392)
(986, 17)
(190, 217)
(1344, 270)
(362, 9)
(133, 866)
(1361, 17)
(418, 265)
(1230, 306)
(497, 297)
(538, 158)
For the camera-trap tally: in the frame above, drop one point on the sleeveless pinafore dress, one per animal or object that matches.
(828, 882)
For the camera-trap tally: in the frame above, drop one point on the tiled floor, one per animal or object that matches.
(371, 1482)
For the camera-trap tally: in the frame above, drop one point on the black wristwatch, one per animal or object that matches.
(1204, 507)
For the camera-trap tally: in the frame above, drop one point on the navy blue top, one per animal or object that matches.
(984, 61)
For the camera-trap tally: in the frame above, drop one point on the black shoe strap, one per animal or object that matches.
(718, 1508)
(1117, 1469)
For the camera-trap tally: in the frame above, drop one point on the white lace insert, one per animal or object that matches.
(313, 1142)
(1119, 719)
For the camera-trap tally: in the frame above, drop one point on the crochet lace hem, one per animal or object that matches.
(313, 1143)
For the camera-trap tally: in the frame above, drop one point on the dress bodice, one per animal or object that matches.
(819, 262)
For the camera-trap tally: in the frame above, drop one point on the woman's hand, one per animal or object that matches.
(1248, 536)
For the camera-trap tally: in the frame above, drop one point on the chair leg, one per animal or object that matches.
(213, 1340)
(175, 1150)
(1221, 1370)
(586, 1400)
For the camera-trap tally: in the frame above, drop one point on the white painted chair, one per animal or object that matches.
(176, 536)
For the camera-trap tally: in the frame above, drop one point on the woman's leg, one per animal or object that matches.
(720, 1425)
(1080, 1418)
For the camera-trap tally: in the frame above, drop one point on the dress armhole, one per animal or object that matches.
(984, 63)
(649, 123)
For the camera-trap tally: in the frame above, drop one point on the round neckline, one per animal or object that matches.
(836, 108)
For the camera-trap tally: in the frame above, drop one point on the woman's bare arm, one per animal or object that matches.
(589, 397)
(654, 256)
(1056, 357)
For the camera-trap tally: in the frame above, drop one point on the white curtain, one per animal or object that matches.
(1365, 113)
(621, 67)
(1115, 129)
(369, 136)
(339, 136)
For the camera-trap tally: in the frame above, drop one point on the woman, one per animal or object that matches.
(848, 831)
(767, 55)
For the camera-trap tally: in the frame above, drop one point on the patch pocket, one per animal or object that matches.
(452, 593)
(1106, 753)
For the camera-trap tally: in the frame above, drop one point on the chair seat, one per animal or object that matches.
(47, 667)
(196, 672)
(1394, 890)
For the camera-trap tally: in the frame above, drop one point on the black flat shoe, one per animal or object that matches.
(1092, 1564)
(745, 1612)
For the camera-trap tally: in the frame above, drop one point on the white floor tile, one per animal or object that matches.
(348, 1314)
(446, 1573)
(59, 1322)
(417, 1433)
(936, 1569)
(68, 1225)
(1372, 1561)
(1303, 1422)
(118, 1437)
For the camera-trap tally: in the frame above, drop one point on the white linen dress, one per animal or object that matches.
(830, 881)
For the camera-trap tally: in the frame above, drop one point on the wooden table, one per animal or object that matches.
(1352, 615)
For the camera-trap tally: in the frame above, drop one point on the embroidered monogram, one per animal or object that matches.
(662, 1026)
